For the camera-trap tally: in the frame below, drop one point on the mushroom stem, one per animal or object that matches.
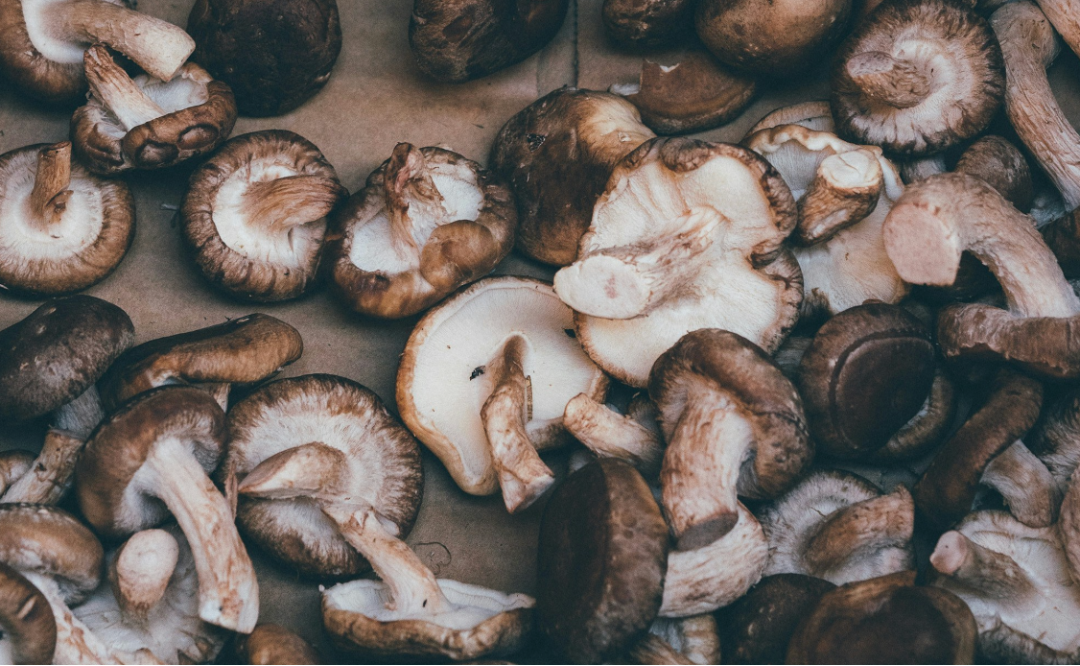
(111, 84)
(898, 82)
(845, 189)
(81, 415)
(612, 435)
(985, 572)
(655, 650)
(75, 643)
(141, 570)
(14, 463)
(50, 195)
(159, 47)
(279, 205)
(523, 477)
(308, 470)
(52, 473)
(228, 591)
(872, 524)
(408, 184)
(1025, 484)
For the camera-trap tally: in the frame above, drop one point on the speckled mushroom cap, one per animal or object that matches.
(26, 620)
(427, 222)
(917, 76)
(51, 542)
(382, 457)
(62, 229)
(255, 215)
(58, 352)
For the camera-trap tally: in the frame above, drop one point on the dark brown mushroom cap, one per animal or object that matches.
(26, 619)
(50, 81)
(756, 628)
(648, 23)
(866, 374)
(557, 155)
(252, 275)
(886, 619)
(1003, 166)
(103, 145)
(459, 41)
(274, 644)
(723, 361)
(51, 542)
(274, 55)
(602, 557)
(58, 352)
(240, 351)
(120, 445)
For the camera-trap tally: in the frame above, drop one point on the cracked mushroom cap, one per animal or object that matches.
(62, 229)
(27, 627)
(255, 215)
(688, 235)
(57, 353)
(381, 459)
(427, 222)
(145, 122)
(557, 155)
(274, 644)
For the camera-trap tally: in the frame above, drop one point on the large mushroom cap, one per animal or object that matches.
(27, 627)
(51, 542)
(648, 23)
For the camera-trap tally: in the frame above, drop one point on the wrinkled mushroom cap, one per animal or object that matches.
(51, 542)
(27, 625)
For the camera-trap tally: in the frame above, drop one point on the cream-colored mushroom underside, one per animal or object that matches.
(36, 15)
(373, 249)
(7, 650)
(181, 93)
(472, 604)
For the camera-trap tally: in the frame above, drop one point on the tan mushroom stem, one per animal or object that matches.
(655, 650)
(897, 82)
(983, 571)
(409, 186)
(159, 47)
(228, 591)
(48, 199)
(876, 523)
(845, 189)
(609, 434)
(289, 202)
(141, 570)
(309, 470)
(1025, 484)
(111, 84)
(523, 477)
(75, 643)
(52, 473)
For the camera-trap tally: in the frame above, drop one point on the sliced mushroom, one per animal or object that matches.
(255, 215)
(274, 644)
(27, 627)
(646, 24)
(147, 122)
(634, 437)
(427, 222)
(688, 640)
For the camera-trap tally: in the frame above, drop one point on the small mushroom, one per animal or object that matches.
(485, 380)
(427, 222)
(27, 627)
(1003, 166)
(255, 215)
(688, 640)
(274, 644)
(147, 122)
(634, 437)
(274, 55)
(140, 570)
(647, 24)
(557, 155)
(43, 43)
(917, 77)
(459, 41)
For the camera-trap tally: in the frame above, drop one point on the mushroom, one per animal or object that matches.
(602, 553)
(687, 235)
(43, 43)
(1003, 166)
(326, 423)
(634, 437)
(688, 640)
(150, 459)
(838, 526)
(1055, 440)
(27, 627)
(917, 77)
(1016, 581)
(240, 351)
(274, 644)
(557, 155)
(886, 619)
(460, 41)
(815, 116)
(14, 463)
(274, 56)
(646, 24)
(933, 224)
(427, 222)
(485, 380)
(771, 37)
(255, 215)
(147, 122)
(140, 571)
(1062, 236)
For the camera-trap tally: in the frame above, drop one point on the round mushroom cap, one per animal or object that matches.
(244, 255)
(646, 24)
(382, 459)
(79, 248)
(51, 542)
(274, 644)
(274, 55)
(57, 353)
(27, 624)
(603, 552)
(442, 382)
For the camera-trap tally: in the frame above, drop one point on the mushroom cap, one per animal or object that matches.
(602, 556)
(460, 234)
(460, 41)
(243, 351)
(245, 257)
(648, 23)
(442, 384)
(27, 625)
(81, 249)
(886, 619)
(199, 115)
(557, 155)
(51, 542)
(382, 459)
(816, 116)
(274, 55)
(951, 40)
(106, 477)
(1003, 166)
(867, 373)
(56, 353)
(931, 423)
(721, 361)
(274, 644)
(47, 79)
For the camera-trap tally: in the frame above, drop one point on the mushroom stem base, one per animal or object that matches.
(50, 195)
(52, 473)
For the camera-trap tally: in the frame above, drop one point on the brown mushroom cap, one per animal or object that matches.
(602, 556)
(26, 621)
(648, 23)
(1003, 166)
(51, 542)
(255, 215)
(274, 644)
(816, 116)
(14, 463)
